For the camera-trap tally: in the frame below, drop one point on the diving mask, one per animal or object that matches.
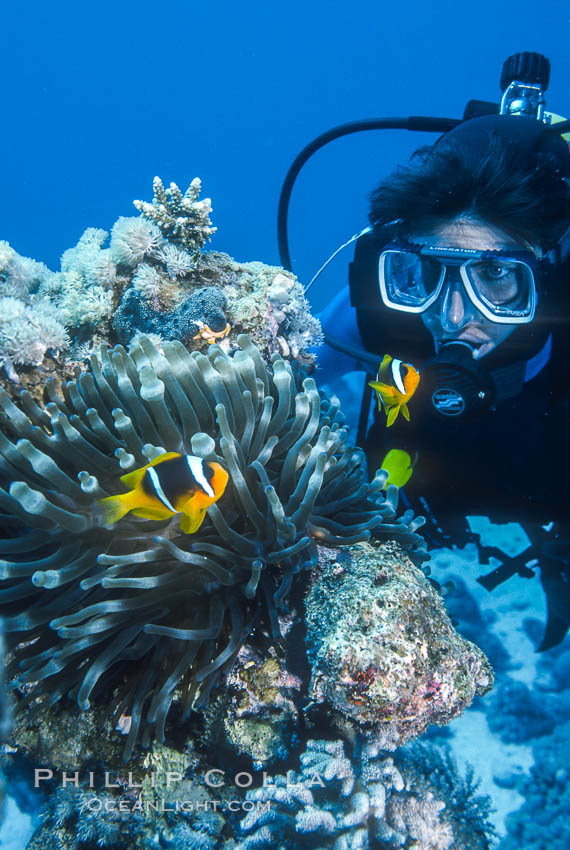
(500, 284)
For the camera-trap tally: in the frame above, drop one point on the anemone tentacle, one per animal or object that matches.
(85, 604)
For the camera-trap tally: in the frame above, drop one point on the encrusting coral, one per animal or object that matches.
(141, 607)
(182, 322)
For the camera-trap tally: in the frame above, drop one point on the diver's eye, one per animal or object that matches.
(495, 280)
(495, 271)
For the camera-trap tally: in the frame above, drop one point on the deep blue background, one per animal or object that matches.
(98, 98)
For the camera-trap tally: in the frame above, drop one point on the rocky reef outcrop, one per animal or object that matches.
(383, 650)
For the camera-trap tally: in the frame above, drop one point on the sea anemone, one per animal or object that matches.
(141, 610)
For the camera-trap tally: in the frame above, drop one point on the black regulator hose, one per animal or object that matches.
(413, 122)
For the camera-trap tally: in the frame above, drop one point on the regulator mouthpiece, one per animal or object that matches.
(455, 385)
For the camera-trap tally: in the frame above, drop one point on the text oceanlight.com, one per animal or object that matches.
(95, 804)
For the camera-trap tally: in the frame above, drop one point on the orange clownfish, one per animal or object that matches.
(170, 484)
(395, 384)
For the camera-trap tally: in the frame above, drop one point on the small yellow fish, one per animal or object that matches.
(170, 484)
(398, 464)
(395, 384)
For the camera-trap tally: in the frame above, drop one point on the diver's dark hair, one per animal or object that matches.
(526, 197)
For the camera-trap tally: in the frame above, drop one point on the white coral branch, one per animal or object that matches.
(182, 219)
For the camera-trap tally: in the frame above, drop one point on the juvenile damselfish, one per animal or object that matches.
(170, 484)
(395, 384)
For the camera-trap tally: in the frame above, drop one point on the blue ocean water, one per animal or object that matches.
(100, 98)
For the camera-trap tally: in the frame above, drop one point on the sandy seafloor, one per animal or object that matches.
(472, 742)
(504, 609)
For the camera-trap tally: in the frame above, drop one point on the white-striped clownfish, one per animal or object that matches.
(395, 384)
(170, 484)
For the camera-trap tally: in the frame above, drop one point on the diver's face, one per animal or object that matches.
(453, 317)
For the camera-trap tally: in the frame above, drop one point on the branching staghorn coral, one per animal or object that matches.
(141, 606)
(82, 297)
(82, 818)
(181, 218)
(366, 802)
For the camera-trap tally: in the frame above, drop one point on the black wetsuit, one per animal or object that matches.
(511, 464)
(513, 461)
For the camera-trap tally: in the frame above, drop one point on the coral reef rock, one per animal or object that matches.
(382, 647)
(61, 738)
(261, 715)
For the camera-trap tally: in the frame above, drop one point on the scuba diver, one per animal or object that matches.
(450, 347)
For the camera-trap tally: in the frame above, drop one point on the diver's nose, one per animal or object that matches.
(455, 308)
(453, 312)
